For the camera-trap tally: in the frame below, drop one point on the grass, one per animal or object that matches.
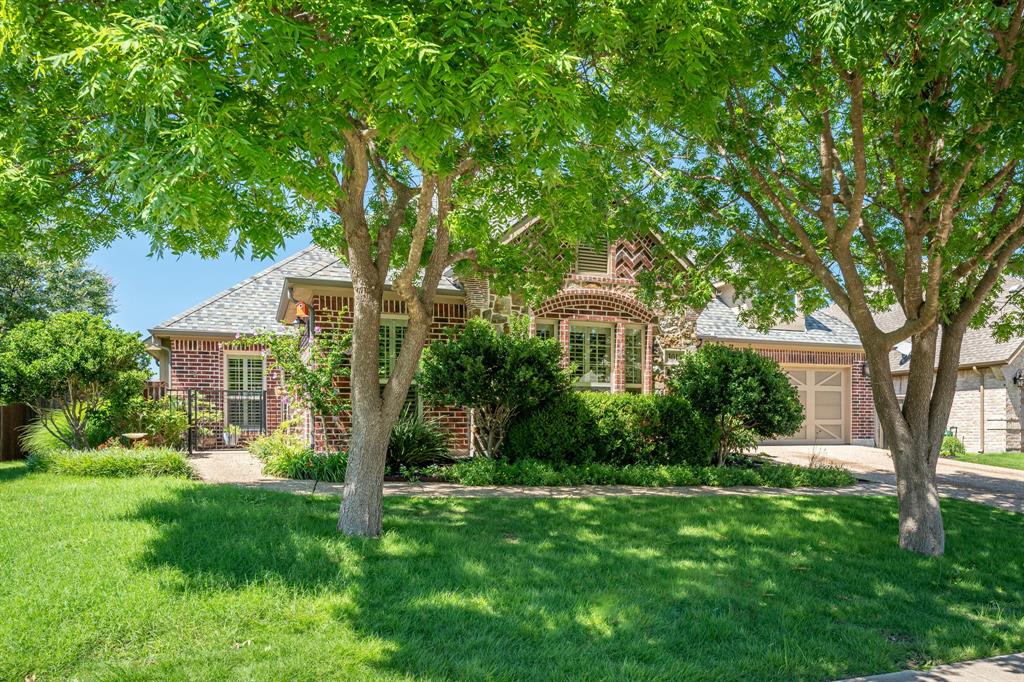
(147, 578)
(115, 462)
(1008, 460)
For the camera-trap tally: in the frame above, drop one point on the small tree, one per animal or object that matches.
(746, 395)
(66, 365)
(309, 368)
(496, 376)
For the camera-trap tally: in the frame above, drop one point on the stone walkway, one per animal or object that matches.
(238, 467)
(999, 669)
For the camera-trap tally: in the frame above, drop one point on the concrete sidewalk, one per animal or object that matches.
(999, 669)
(994, 486)
(238, 467)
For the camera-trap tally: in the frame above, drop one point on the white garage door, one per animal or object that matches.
(823, 395)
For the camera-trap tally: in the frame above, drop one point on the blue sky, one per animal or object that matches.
(148, 290)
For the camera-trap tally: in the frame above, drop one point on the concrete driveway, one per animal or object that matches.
(995, 486)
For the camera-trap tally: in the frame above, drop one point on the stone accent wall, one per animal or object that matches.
(332, 432)
(1001, 419)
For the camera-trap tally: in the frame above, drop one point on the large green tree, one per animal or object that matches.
(866, 154)
(33, 288)
(66, 365)
(407, 133)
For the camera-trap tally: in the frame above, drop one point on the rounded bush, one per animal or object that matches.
(613, 428)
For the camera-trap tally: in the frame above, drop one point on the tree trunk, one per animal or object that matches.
(361, 504)
(360, 513)
(921, 527)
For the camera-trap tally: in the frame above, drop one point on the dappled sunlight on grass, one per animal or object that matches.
(166, 577)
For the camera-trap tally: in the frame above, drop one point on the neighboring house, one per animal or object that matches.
(616, 342)
(986, 412)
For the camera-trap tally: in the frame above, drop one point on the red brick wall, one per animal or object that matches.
(862, 404)
(334, 311)
(199, 363)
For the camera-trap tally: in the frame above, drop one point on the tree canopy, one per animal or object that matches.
(32, 288)
(863, 154)
(66, 365)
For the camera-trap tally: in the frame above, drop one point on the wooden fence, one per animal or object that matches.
(12, 419)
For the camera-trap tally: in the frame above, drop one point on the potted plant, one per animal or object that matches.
(231, 435)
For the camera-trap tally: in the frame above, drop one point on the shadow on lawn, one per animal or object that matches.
(12, 470)
(700, 588)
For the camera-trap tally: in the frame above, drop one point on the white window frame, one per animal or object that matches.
(635, 387)
(553, 324)
(395, 321)
(587, 326)
(245, 354)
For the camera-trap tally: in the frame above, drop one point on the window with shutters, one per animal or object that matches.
(244, 384)
(590, 354)
(390, 339)
(592, 259)
(634, 359)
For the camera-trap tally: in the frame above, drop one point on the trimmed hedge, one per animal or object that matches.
(613, 428)
(113, 462)
(531, 472)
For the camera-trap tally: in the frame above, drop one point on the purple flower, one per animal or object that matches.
(238, 335)
(316, 330)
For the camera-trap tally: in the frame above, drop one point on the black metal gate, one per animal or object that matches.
(219, 418)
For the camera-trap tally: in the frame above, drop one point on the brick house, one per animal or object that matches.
(615, 342)
(987, 408)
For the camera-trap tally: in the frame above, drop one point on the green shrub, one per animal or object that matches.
(114, 462)
(417, 442)
(497, 376)
(746, 395)
(289, 456)
(481, 471)
(165, 420)
(952, 446)
(614, 428)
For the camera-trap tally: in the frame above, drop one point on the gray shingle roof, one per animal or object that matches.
(251, 305)
(979, 347)
(719, 321)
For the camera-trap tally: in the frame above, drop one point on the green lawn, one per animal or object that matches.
(1009, 460)
(133, 579)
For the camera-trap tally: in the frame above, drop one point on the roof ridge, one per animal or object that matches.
(245, 282)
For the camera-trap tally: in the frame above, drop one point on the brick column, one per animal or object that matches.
(563, 340)
(619, 359)
(648, 379)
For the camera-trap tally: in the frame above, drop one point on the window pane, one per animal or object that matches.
(545, 330)
(577, 351)
(236, 374)
(254, 374)
(384, 346)
(599, 356)
(590, 351)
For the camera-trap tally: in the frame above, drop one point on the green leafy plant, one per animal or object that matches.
(533, 472)
(497, 376)
(309, 371)
(615, 428)
(115, 462)
(746, 395)
(952, 446)
(417, 442)
(71, 361)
